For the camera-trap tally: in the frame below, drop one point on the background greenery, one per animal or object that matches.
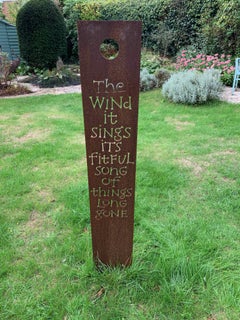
(210, 26)
(186, 260)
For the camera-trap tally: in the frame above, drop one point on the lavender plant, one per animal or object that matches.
(193, 87)
(148, 81)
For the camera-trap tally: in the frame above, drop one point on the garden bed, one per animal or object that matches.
(13, 90)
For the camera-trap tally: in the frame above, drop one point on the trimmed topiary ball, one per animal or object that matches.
(193, 87)
(42, 33)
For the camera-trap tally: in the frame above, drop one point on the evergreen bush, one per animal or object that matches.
(42, 33)
(193, 87)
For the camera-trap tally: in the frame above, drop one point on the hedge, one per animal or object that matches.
(168, 25)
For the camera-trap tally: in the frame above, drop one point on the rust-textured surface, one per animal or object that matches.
(110, 92)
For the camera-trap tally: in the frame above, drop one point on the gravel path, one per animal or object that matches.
(36, 91)
(228, 96)
(225, 96)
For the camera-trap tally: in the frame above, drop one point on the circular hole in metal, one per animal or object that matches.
(109, 49)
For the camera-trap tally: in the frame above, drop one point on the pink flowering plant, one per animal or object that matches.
(202, 62)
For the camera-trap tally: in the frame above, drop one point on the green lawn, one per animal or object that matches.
(186, 262)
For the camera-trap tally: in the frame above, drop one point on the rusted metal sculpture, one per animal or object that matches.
(109, 54)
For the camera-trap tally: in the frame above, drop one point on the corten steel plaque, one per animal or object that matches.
(109, 53)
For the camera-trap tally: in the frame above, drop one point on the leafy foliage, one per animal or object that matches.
(167, 25)
(227, 78)
(150, 61)
(42, 33)
(201, 62)
(57, 78)
(7, 68)
(13, 9)
(1, 13)
(74, 10)
(193, 87)
(182, 23)
(148, 81)
(150, 13)
(4, 68)
(220, 27)
(162, 75)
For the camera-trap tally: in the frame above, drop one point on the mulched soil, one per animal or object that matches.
(13, 90)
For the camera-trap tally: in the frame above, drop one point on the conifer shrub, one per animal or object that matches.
(42, 33)
(193, 87)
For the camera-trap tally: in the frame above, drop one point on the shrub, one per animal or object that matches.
(220, 26)
(164, 39)
(42, 33)
(148, 81)
(201, 62)
(149, 12)
(167, 25)
(227, 78)
(182, 23)
(14, 90)
(23, 69)
(5, 69)
(150, 61)
(193, 87)
(162, 75)
(74, 10)
(57, 78)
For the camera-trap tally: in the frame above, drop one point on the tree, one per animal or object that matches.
(13, 9)
(1, 13)
(42, 33)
